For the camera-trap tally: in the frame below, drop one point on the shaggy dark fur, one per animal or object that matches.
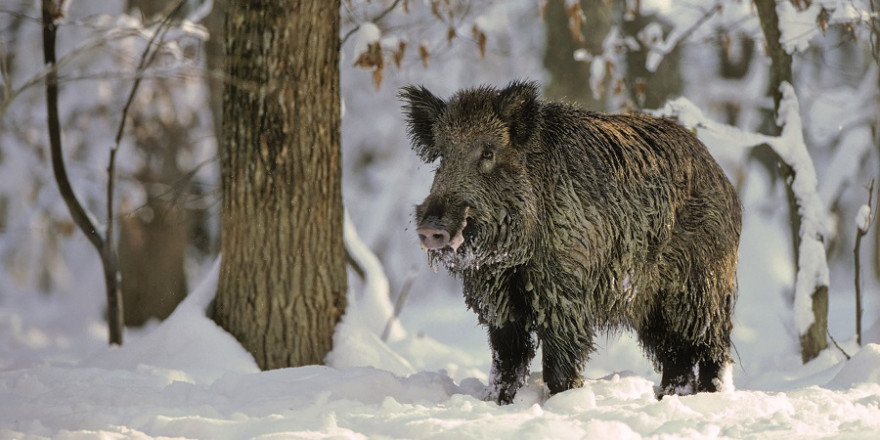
(563, 222)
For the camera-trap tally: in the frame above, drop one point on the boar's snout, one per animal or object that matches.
(433, 236)
(439, 227)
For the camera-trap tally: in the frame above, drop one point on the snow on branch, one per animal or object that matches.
(659, 47)
(791, 148)
(356, 341)
(799, 23)
(374, 305)
(812, 263)
(863, 218)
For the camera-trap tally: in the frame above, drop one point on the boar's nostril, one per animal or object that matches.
(433, 237)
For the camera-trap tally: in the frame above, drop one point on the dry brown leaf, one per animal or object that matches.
(480, 36)
(450, 35)
(619, 87)
(576, 20)
(435, 9)
(822, 19)
(641, 91)
(377, 79)
(425, 54)
(371, 58)
(397, 55)
(801, 5)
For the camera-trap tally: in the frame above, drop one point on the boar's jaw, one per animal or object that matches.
(468, 249)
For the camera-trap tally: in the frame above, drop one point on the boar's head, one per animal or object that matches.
(483, 205)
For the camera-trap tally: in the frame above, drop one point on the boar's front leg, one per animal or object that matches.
(513, 348)
(565, 350)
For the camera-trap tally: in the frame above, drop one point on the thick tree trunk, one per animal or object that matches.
(570, 79)
(282, 277)
(153, 290)
(813, 341)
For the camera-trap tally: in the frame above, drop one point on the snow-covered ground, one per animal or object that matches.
(187, 378)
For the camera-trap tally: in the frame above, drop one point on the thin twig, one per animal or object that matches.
(115, 322)
(860, 233)
(147, 58)
(671, 44)
(42, 76)
(375, 19)
(104, 245)
(4, 74)
(875, 31)
(834, 341)
(401, 300)
(112, 277)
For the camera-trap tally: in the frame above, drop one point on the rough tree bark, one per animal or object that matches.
(813, 341)
(282, 277)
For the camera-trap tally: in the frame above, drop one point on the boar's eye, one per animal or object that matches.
(487, 160)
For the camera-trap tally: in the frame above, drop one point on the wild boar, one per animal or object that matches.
(563, 222)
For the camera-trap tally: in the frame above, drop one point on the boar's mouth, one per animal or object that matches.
(458, 239)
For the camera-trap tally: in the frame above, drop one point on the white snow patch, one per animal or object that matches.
(796, 27)
(862, 368)
(356, 341)
(374, 303)
(366, 35)
(863, 218)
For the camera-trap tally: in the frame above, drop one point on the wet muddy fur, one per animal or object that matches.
(563, 223)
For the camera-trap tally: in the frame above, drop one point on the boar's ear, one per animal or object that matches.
(422, 109)
(517, 105)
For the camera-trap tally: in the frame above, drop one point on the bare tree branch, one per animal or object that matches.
(146, 59)
(676, 38)
(376, 18)
(43, 75)
(103, 244)
(77, 211)
(860, 233)
(398, 305)
(834, 341)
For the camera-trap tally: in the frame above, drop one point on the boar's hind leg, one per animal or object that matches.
(717, 354)
(512, 350)
(673, 354)
(710, 372)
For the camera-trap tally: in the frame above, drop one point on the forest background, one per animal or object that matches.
(607, 56)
